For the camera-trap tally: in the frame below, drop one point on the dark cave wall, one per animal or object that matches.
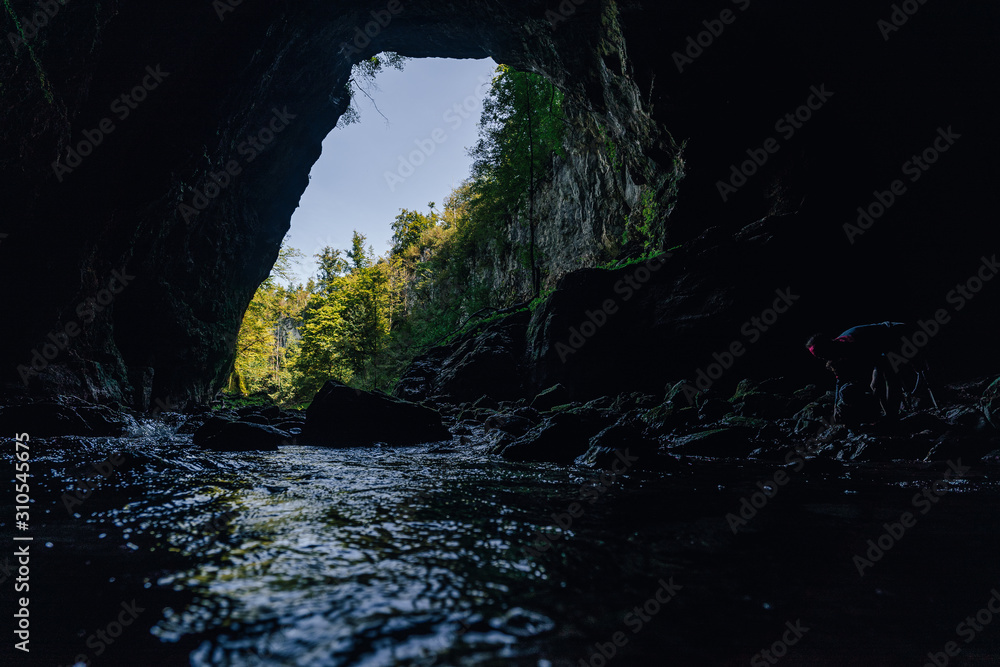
(174, 325)
(169, 334)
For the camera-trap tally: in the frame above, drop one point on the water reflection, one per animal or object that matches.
(312, 556)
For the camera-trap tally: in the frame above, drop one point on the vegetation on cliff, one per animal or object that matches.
(365, 317)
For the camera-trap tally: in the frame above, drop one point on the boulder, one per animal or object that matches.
(209, 427)
(474, 415)
(969, 417)
(417, 382)
(191, 426)
(664, 419)
(272, 412)
(256, 418)
(485, 361)
(952, 446)
(604, 446)
(718, 442)
(245, 437)
(558, 440)
(54, 419)
(340, 416)
(105, 421)
(714, 409)
(486, 403)
(682, 394)
(813, 416)
(550, 398)
(293, 426)
(509, 423)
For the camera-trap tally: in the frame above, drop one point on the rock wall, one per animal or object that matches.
(211, 79)
(190, 192)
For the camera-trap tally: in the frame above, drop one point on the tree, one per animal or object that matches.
(332, 266)
(262, 345)
(347, 320)
(362, 80)
(319, 357)
(520, 130)
(408, 227)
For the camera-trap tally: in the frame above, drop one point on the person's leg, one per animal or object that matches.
(922, 368)
(887, 390)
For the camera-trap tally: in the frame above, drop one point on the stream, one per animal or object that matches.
(427, 556)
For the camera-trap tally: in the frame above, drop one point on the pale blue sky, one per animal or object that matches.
(434, 101)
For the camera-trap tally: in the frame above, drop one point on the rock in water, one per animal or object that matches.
(343, 417)
(55, 419)
(242, 437)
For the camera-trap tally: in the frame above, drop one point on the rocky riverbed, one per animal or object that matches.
(534, 535)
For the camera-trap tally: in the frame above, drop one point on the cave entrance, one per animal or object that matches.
(406, 148)
(397, 157)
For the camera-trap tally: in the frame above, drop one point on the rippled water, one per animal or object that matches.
(416, 556)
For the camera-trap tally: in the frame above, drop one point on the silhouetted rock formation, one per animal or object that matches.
(124, 295)
(343, 417)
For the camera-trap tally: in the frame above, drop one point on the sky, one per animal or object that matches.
(433, 107)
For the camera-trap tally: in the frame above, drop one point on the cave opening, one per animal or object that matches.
(382, 201)
(638, 441)
(408, 147)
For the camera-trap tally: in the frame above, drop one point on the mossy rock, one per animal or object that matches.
(808, 394)
(555, 395)
(559, 440)
(679, 398)
(714, 409)
(663, 419)
(605, 446)
(743, 388)
(752, 423)
(812, 416)
(628, 401)
(716, 442)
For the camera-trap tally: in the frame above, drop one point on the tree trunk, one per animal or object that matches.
(531, 193)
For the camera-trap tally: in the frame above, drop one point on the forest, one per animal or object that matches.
(364, 316)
